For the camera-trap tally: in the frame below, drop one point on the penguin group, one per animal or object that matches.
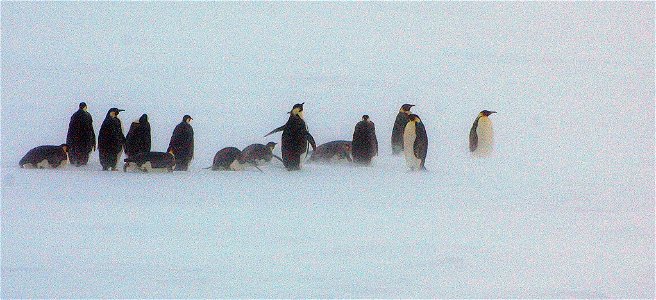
(408, 137)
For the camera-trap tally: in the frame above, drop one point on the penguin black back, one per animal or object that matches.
(229, 158)
(110, 139)
(258, 153)
(138, 139)
(365, 144)
(81, 137)
(182, 144)
(295, 138)
(45, 157)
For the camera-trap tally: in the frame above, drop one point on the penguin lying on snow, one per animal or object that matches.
(45, 157)
(295, 138)
(415, 143)
(258, 154)
(481, 134)
(229, 159)
(150, 162)
(332, 151)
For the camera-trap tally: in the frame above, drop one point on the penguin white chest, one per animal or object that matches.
(485, 135)
(409, 136)
(236, 166)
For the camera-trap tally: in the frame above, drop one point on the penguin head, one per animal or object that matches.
(113, 112)
(143, 119)
(187, 119)
(64, 147)
(486, 113)
(405, 108)
(83, 106)
(365, 118)
(171, 152)
(414, 118)
(297, 110)
(271, 145)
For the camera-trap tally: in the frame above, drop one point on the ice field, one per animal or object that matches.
(563, 208)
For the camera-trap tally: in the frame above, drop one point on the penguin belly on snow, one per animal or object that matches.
(258, 154)
(228, 159)
(335, 151)
(45, 157)
(150, 162)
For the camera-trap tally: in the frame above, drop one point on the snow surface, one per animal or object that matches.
(564, 208)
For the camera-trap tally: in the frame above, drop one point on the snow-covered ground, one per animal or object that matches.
(564, 207)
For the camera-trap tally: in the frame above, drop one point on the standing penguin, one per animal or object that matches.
(182, 144)
(415, 143)
(45, 157)
(80, 138)
(257, 154)
(138, 138)
(481, 134)
(295, 137)
(399, 126)
(111, 140)
(365, 144)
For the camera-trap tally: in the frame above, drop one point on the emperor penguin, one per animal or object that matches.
(138, 139)
(111, 140)
(481, 134)
(150, 162)
(295, 139)
(365, 144)
(45, 157)
(333, 151)
(399, 126)
(182, 144)
(415, 143)
(258, 154)
(228, 159)
(80, 137)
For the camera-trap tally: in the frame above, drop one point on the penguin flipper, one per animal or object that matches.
(473, 137)
(278, 158)
(281, 128)
(310, 139)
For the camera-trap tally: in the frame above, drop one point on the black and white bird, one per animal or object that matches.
(182, 144)
(415, 143)
(399, 126)
(258, 154)
(111, 140)
(295, 139)
(481, 134)
(150, 162)
(365, 144)
(81, 139)
(138, 139)
(45, 157)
